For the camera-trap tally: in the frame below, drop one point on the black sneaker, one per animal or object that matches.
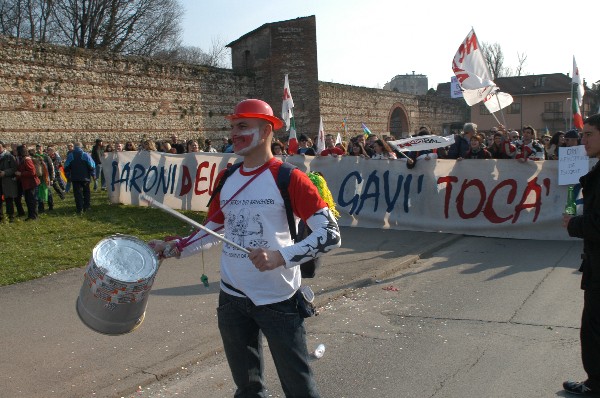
(578, 388)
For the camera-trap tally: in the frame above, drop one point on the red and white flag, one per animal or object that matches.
(287, 114)
(577, 92)
(321, 137)
(471, 71)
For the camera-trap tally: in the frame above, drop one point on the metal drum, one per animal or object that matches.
(116, 285)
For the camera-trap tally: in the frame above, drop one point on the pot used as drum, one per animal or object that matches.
(116, 285)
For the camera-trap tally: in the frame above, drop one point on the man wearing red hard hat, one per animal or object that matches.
(261, 289)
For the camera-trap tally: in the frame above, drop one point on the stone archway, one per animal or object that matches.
(398, 121)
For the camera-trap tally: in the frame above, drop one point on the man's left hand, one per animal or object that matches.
(265, 260)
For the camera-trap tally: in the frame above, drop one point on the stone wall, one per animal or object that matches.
(55, 94)
(374, 108)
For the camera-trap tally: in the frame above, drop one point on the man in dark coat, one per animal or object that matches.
(587, 227)
(462, 144)
(8, 183)
(80, 169)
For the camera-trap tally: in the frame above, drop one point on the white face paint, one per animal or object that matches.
(250, 141)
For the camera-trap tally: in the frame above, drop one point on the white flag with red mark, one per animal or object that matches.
(471, 71)
(287, 114)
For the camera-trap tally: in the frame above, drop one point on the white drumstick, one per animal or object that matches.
(158, 205)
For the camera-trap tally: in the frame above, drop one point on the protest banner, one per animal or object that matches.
(494, 198)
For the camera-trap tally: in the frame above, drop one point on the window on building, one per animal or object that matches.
(483, 110)
(540, 81)
(553, 106)
(514, 108)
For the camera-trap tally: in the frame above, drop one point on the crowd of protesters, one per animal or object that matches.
(34, 176)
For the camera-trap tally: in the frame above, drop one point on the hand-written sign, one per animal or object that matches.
(572, 164)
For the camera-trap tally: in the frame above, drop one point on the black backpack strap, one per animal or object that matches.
(228, 171)
(283, 183)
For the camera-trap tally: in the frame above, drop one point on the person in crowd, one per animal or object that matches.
(129, 146)
(501, 148)
(305, 146)
(462, 144)
(357, 149)
(330, 148)
(477, 150)
(192, 146)
(572, 138)
(45, 188)
(260, 288)
(208, 146)
(8, 183)
(97, 155)
(148, 145)
(529, 148)
(514, 136)
(70, 147)
(381, 150)
(343, 146)
(80, 169)
(229, 147)
(109, 148)
(557, 141)
(118, 147)
(545, 141)
(277, 148)
(167, 148)
(58, 183)
(587, 227)
(224, 144)
(179, 147)
(29, 182)
(363, 142)
(19, 199)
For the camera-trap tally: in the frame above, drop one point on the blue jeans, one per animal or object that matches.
(242, 325)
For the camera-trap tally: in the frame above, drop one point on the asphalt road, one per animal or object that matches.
(482, 317)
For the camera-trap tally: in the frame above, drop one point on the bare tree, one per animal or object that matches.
(216, 56)
(137, 27)
(494, 58)
(521, 59)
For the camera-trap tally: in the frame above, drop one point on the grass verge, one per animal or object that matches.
(61, 239)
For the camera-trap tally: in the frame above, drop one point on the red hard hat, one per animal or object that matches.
(255, 108)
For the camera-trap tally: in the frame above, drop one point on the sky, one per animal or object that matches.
(367, 43)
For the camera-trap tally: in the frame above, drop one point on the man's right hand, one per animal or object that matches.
(164, 249)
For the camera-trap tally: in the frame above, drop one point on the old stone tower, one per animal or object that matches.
(274, 49)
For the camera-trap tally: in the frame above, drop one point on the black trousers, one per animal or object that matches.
(590, 337)
(81, 193)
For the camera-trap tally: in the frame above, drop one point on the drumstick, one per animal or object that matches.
(158, 205)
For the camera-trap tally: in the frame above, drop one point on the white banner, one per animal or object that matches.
(422, 143)
(497, 198)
